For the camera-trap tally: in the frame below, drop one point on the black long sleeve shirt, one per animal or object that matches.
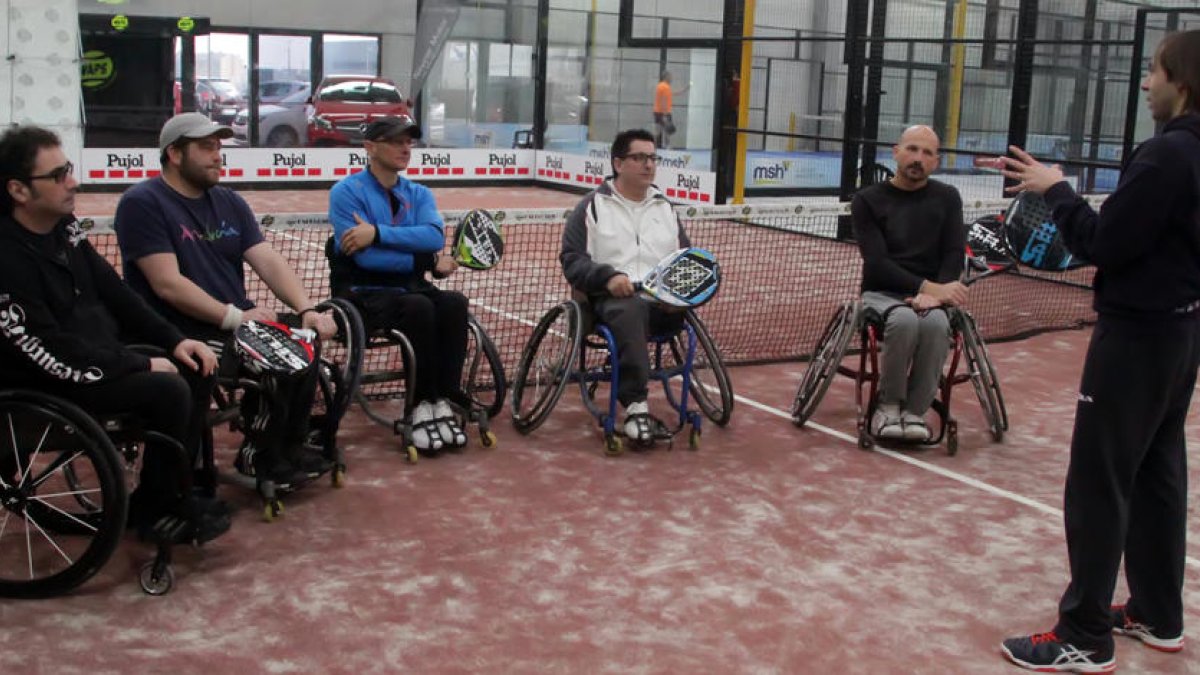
(908, 237)
(1145, 241)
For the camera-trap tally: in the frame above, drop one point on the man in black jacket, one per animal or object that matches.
(63, 314)
(1126, 488)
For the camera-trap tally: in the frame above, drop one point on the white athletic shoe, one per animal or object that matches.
(421, 418)
(448, 427)
(915, 429)
(644, 432)
(886, 422)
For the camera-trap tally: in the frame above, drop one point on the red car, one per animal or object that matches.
(343, 105)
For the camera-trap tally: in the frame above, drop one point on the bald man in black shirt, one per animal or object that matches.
(911, 236)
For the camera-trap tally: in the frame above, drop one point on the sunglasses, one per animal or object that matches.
(58, 174)
(642, 158)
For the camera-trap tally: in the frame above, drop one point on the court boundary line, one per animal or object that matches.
(926, 466)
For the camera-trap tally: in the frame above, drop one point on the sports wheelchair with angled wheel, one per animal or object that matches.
(390, 372)
(568, 346)
(831, 348)
(64, 495)
(339, 365)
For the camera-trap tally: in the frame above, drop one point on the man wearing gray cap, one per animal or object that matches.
(183, 240)
(387, 234)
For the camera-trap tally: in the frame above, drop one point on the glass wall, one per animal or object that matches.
(948, 63)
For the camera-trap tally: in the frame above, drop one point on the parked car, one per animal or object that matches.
(280, 125)
(344, 104)
(277, 90)
(219, 99)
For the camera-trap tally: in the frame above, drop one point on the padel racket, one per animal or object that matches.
(1032, 237)
(688, 277)
(985, 241)
(266, 346)
(478, 242)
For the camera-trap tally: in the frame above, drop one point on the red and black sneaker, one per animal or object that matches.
(1046, 653)
(1124, 624)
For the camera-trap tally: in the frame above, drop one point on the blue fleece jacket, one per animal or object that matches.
(416, 228)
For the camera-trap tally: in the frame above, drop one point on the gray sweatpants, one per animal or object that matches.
(913, 353)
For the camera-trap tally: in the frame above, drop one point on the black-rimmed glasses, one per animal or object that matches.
(58, 174)
(642, 158)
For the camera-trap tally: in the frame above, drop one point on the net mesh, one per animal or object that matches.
(784, 273)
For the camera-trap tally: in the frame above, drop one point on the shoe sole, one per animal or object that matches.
(1106, 667)
(1158, 644)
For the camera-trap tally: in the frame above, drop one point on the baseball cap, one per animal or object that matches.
(190, 125)
(383, 128)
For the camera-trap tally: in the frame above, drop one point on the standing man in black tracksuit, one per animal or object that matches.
(1126, 489)
(63, 312)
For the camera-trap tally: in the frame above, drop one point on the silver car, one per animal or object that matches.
(280, 125)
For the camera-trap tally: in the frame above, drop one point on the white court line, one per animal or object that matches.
(932, 468)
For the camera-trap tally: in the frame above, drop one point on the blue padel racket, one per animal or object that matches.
(688, 277)
(478, 242)
(1032, 237)
(266, 346)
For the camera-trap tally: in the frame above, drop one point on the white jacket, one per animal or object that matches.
(607, 235)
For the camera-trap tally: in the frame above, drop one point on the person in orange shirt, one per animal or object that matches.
(664, 125)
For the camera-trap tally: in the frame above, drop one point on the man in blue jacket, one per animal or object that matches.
(387, 235)
(1126, 489)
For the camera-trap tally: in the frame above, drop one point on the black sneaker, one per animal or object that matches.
(1123, 624)
(196, 521)
(243, 463)
(285, 475)
(1046, 653)
(312, 462)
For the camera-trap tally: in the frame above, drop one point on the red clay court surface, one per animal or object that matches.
(771, 549)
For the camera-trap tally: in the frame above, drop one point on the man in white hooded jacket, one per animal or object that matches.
(615, 235)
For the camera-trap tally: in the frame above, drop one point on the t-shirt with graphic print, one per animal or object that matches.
(209, 236)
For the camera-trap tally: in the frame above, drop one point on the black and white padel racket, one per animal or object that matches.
(688, 277)
(478, 241)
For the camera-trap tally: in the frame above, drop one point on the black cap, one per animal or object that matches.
(383, 128)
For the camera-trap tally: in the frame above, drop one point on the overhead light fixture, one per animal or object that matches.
(112, 2)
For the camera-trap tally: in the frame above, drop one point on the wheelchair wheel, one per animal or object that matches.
(341, 362)
(483, 373)
(826, 358)
(983, 377)
(545, 367)
(52, 454)
(711, 386)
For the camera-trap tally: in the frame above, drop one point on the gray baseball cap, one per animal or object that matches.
(190, 125)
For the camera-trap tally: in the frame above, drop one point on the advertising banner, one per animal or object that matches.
(130, 165)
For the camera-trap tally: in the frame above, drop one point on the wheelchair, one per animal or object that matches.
(339, 368)
(392, 376)
(393, 370)
(967, 347)
(568, 346)
(64, 495)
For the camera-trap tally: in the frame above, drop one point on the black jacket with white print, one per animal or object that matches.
(64, 311)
